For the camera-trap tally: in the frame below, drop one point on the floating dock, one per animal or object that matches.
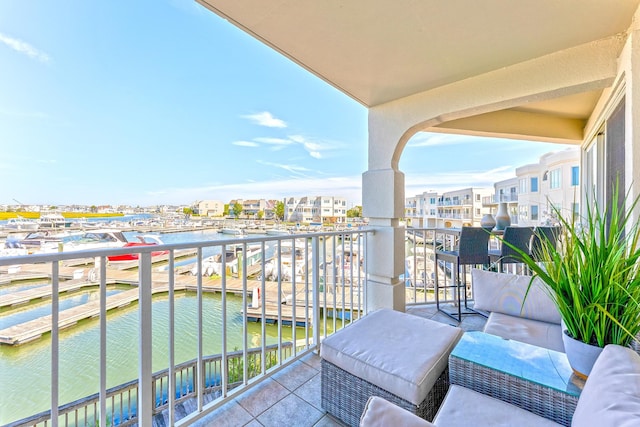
(278, 305)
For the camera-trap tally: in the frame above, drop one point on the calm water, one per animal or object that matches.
(25, 380)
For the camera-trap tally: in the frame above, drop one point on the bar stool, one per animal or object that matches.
(472, 249)
(519, 237)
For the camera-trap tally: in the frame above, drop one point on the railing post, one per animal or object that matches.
(55, 342)
(145, 381)
(315, 286)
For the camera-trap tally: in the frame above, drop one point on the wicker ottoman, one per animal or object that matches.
(397, 356)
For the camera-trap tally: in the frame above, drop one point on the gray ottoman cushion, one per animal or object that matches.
(398, 352)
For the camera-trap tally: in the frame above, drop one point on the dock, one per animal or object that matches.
(278, 306)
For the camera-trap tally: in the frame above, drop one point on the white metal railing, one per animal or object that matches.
(316, 281)
(420, 266)
(499, 198)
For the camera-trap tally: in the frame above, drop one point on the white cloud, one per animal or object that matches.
(265, 118)
(274, 141)
(298, 170)
(24, 48)
(315, 148)
(245, 144)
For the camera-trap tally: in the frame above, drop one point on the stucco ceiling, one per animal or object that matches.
(379, 51)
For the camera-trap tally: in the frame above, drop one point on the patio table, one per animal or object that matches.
(534, 378)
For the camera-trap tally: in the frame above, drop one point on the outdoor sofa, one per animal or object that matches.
(611, 397)
(535, 322)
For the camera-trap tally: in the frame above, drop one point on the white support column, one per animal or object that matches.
(383, 204)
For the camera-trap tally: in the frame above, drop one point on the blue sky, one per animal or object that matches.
(162, 102)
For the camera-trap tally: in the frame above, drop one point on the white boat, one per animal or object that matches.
(287, 256)
(234, 231)
(112, 238)
(20, 223)
(213, 264)
(345, 268)
(97, 239)
(277, 231)
(52, 220)
(39, 241)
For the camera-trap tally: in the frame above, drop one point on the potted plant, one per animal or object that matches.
(593, 277)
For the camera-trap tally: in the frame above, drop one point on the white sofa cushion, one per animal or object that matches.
(534, 332)
(504, 293)
(401, 353)
(379, 412)
(464, 407)
(611, 395)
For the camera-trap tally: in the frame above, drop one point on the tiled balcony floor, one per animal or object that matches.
(292, 396)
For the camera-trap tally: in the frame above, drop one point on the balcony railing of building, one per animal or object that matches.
(500, 198)
(306, 286)
(453, 216)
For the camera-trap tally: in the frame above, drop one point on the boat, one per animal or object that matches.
(213, 265)
(288, 257)
(38, 241)
(20, 223)
(52, 220)
(143, 240)
(112, 238)
(346, 266)
(277, 231)
(235, 231)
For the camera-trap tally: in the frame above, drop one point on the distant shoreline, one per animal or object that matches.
(67, 215)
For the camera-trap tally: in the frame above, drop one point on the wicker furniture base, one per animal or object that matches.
(527, 385)
(344, 395)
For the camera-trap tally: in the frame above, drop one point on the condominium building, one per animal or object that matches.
(315, 209)
(530, 196)
(449, 209)
(551, 183)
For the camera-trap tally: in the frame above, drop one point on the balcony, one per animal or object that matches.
(322, 284)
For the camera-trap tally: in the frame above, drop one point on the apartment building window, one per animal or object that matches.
(477, 211)
(477, 197)
(575, 176)
(523, 186)
(523, 213)
(534, 212)
(554, 178)
(534, 184)
(432, 201)
(433, 211)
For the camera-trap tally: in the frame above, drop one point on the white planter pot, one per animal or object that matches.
(581, 356)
